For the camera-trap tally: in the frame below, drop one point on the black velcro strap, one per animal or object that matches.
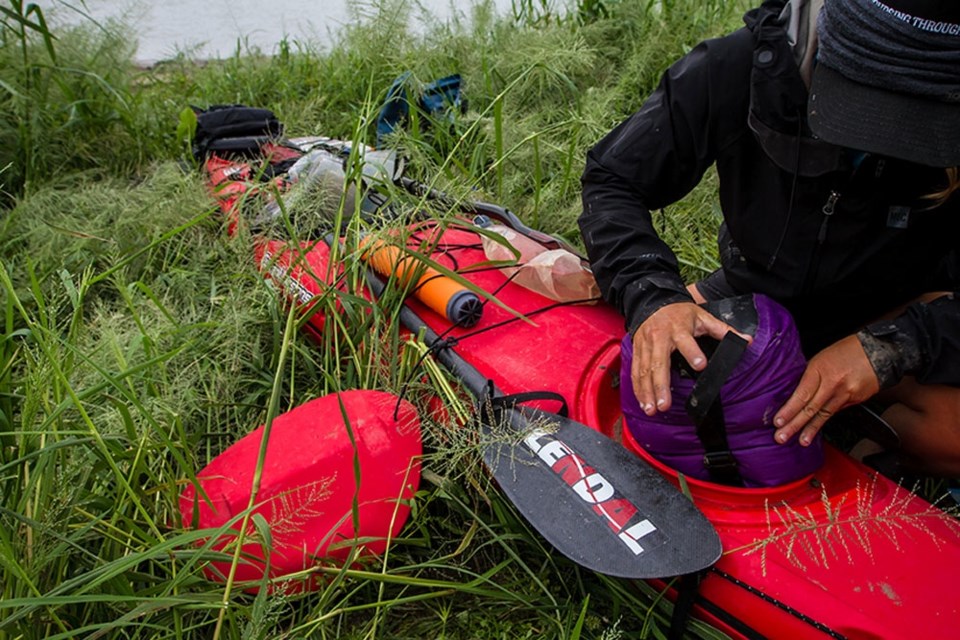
(513, 400)
(490, 406)
(705, 409)
(688, 586)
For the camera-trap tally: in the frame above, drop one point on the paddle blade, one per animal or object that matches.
(596, 503)
(309, 489)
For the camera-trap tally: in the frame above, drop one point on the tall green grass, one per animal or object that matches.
(139, 341)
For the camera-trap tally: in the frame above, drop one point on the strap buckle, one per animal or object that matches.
(719, 461)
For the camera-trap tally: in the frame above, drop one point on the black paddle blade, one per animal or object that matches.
(594, 501)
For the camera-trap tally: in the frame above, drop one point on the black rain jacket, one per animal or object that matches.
(839, 238)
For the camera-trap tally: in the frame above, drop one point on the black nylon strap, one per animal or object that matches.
(530, 396)
(717, 458)
(705, 409)
(490, 405)
(687, 588)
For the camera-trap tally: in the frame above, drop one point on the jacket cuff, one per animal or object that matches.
(649, 294)
(893, 349)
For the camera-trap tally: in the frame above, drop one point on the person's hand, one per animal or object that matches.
(673, 327)
(837, 377)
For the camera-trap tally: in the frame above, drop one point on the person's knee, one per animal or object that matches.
(942, 463)
(927, 419)
(930, 449)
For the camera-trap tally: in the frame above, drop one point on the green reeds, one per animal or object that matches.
(139, 341)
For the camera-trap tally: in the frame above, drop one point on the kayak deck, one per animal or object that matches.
(842, 553)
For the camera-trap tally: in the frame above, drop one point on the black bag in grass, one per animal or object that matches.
(234, 129)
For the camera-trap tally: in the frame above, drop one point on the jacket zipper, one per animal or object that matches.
(829, 207)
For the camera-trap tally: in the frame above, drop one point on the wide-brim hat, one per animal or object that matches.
(887, 79)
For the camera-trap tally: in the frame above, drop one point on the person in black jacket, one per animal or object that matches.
(837, 149)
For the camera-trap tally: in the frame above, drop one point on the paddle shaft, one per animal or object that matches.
(496, 212)
(473, 380)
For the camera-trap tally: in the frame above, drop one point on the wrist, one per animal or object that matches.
(892, 352)
(649, 295)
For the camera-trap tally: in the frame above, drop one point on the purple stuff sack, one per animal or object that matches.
(759, 384)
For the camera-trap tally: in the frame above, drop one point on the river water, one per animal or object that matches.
(213, 28)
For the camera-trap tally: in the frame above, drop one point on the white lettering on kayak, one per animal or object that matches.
(591, 487)
(282, 279)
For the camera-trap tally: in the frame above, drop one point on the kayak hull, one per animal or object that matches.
(842, 553)
(335, 484)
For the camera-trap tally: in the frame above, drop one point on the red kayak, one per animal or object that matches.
(319, 511)
(842, 553)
